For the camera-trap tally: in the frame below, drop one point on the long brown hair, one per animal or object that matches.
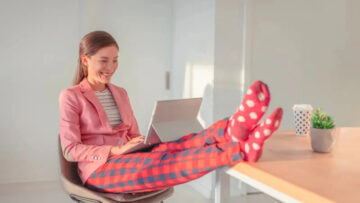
(89, 45)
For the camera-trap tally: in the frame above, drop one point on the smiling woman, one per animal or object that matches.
(97, 125)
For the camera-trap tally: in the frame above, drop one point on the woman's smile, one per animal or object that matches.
(106, 75)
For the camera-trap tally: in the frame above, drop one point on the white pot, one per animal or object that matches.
(322, 140)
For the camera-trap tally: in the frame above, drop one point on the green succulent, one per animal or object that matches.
(321, 120)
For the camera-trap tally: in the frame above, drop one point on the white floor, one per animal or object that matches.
(53, 192)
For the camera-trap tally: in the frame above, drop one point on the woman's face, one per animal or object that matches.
(102, 65)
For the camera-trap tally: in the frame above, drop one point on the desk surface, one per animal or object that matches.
(289, 165)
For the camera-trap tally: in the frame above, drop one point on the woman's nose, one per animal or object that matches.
(110, 66)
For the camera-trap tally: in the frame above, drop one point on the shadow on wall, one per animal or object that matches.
(198, 82)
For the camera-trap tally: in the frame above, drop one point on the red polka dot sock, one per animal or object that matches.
(249, 113)
(251, 149)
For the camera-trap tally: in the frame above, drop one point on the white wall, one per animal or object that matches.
(143, 30)
(38, 53)
(229, 81)
(38, 46)
(192, 73)
(308, 52)
(305, 50)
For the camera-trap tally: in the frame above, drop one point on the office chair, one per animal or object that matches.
(78, 192)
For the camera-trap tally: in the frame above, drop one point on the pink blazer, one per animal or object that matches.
(85, 132)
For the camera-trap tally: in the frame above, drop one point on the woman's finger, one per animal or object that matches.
(140, 138)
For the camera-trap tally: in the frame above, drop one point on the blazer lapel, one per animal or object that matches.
(88, 92)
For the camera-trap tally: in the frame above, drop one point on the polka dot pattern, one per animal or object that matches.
(251, 110)
(253, 115)
(241, 108)
(267, 132)
(234, 139)
(260, 134)
(241, 119)
(250, 103)
(243, 125)
(302, 122)
(247, 148)
(268, 121)
(257, 135)
(255, 146)
(261, 96)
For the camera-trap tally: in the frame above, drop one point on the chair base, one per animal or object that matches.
(80, 199)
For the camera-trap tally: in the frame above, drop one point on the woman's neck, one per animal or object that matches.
(97, 86)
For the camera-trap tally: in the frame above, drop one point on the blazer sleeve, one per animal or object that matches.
(70, 136)
(134, 128)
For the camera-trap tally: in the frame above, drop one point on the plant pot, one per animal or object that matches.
(322, 140)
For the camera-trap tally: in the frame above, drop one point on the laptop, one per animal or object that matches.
(171, 120)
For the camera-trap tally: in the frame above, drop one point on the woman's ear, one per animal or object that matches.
(84, 59)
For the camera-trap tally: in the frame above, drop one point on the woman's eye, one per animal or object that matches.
(115, 61)
(103, 61)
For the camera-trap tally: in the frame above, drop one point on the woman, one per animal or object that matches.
(97, 125)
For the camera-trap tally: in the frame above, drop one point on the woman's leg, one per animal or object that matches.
(142, 172)
(212, 135)
(250, 111)
(168, 164)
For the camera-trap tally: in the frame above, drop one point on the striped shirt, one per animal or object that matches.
(107, 100)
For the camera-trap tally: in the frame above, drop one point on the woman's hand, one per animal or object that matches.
(116, 150)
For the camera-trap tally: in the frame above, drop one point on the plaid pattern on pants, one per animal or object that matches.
(167, 164)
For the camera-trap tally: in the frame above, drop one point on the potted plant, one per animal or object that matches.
(323, 132)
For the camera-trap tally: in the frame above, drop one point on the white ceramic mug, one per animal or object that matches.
(302, 118)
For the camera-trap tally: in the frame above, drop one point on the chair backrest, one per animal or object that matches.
(68, 169)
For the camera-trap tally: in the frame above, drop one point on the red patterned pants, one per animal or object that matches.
(167, 164)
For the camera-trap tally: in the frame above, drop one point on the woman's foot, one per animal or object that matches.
(252, 108)
(251, 148)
